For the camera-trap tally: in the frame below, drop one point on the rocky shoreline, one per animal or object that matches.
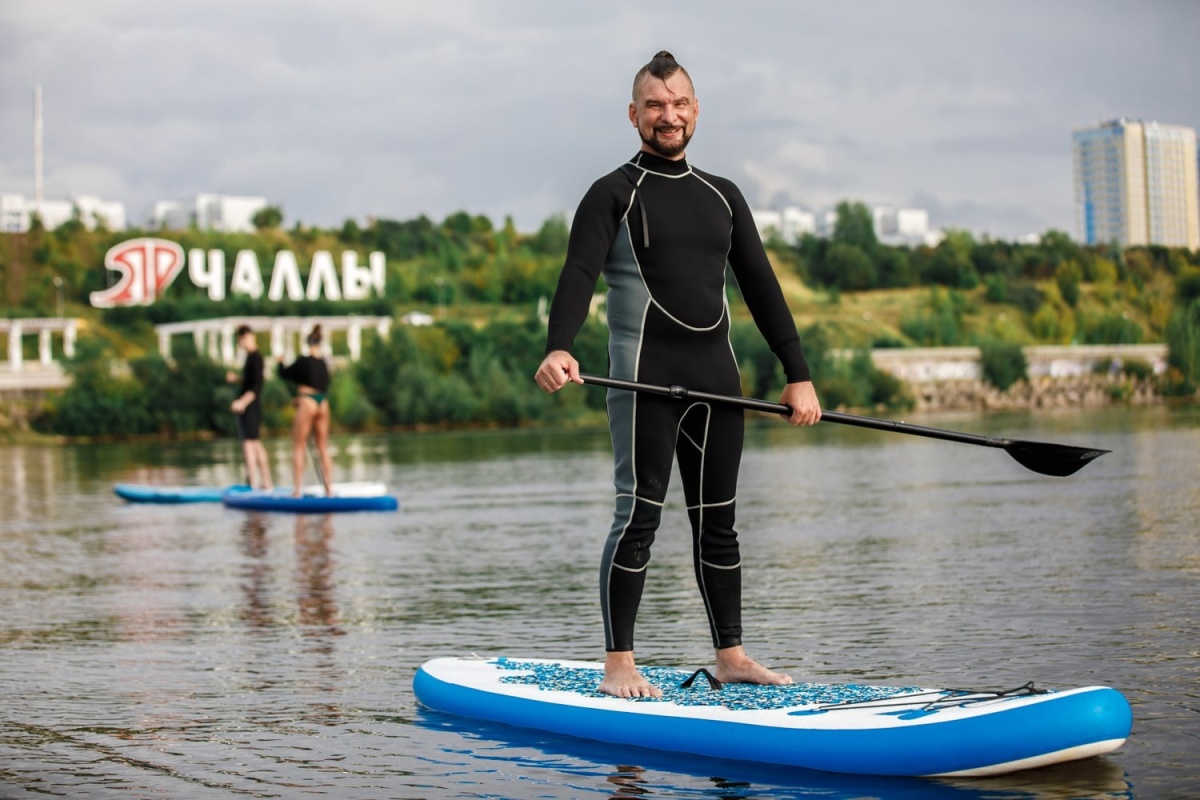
(1081, 391)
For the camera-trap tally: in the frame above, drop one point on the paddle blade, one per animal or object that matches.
(1059, 460)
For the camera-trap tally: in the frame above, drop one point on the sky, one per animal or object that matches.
(511, 108)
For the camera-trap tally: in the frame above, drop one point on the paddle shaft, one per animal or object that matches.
(780, 408)
(316, 459)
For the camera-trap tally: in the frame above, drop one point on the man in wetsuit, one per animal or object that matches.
(248, 408)
(662, 233)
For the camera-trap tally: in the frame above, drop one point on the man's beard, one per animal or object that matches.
(668, 150)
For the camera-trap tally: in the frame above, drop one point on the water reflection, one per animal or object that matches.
(316, 590)
(635, 772)
(255, 572)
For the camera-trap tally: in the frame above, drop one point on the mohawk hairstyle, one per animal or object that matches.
(662, 66)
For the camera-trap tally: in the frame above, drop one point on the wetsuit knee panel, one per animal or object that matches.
(632, 533)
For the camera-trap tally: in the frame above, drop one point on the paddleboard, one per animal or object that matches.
(346, 497)
(847, 728)
(143, 493)
(150, 493)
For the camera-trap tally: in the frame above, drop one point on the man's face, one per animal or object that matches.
(664, 113)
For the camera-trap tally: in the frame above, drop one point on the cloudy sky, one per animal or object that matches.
(395, 108)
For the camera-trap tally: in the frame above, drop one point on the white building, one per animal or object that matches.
(1136, 183)
(789, 223)
(217, 212)
(16, 213)
(893, 226)
(904, 226)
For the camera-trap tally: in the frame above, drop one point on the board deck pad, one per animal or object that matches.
(834, 727)
(735, 696)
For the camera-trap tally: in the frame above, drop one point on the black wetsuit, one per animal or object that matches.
(663, 232)
(252, 381)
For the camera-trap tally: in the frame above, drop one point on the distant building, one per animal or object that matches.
(17, 211)
(788, 223)
(893, 226)
(216, 212)
(1137, 183)
(904, 226)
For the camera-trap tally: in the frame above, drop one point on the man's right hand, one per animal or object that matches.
(558, 368)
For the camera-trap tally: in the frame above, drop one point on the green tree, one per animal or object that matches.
(951, 263)
(850, 267)
(1069, 275)
(551, 238)
(855, 225)
(267, 218)
(351, 232)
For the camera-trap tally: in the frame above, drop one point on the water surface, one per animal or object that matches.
(194, 651)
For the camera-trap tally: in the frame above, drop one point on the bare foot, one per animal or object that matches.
(734, 666)
(622, 679)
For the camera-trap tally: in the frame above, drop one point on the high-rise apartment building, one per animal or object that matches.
(1137, 183)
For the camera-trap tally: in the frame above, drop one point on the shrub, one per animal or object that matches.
(1003, 363)
(996, 286)
(1183, 350)
(349, 408)
(1112, 328)
(1026, 296)
(180, 397)
(1068, 275)
(940, 324)
(98, 402)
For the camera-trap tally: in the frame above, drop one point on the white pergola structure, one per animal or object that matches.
(287, 334)
(45, 328)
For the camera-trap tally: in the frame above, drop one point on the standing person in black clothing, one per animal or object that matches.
(310, 373)
(248, 408)
(662, 233)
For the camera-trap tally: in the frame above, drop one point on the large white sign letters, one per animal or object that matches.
(148, 266)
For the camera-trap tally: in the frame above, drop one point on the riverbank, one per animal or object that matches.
(1083, 391)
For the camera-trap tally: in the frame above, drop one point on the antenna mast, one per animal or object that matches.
(37, 149)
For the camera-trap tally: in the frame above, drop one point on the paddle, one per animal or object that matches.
(315, 457)
(1043, 457)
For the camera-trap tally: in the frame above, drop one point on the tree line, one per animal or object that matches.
(473, 366)
(449, 374)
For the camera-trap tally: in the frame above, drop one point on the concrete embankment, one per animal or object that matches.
(1060, 376)
(1086, 391)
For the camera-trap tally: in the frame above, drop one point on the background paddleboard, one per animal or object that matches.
(142, 493)
(346, 497)
(849, 728)
(149, 493)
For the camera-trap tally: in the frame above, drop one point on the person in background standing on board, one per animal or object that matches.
(662, 233)
(310, 373)
(248, 408)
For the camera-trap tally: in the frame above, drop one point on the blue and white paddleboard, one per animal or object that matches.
(368, 496)
(144, 493)
(869, 730)
(151, 493)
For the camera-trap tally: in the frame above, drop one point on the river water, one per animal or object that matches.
(199, 652)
